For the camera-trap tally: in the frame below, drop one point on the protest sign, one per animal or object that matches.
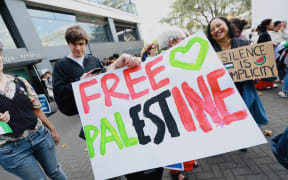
(250, 62)
(179, 106)
(178, 166)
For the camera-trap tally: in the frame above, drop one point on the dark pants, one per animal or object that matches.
(146, 175)
(279, 145)
(81, 134)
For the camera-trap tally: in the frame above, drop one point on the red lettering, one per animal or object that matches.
(111, 92)
(219, 96)
(152, 73)
(130, 82)
(199, 105)
(84, 98)
(183, 110)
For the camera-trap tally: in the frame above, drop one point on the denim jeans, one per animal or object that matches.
(279, 145)
(285, 82)
(22, 157)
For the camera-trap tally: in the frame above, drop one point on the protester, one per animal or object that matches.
(253, 36)
(115, 57)
(30, 144)
(106, 62)
(77, 66)
(220, 34)
(282, 66)
(278, 35)
(166, 40)
(152, 50)
(265, 26)
(238, 26)
(279, 145)
(47, 79)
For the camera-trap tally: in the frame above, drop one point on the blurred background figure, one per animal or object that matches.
(253, 36)
(265, 26)
(238, 26)
(278, 35)
(170, 38)
(106, 61)
(47, 80)
(115, 57)
(152, 50)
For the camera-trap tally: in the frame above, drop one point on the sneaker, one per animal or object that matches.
(275, 85)
(283, 94)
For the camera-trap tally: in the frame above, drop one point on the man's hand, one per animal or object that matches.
(125, 60)
(88, 74)
(5, 117)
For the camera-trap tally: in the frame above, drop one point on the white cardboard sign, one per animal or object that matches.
(179, 106)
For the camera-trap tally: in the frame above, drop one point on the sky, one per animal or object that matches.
(150, 12)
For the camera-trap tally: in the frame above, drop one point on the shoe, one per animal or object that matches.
(275, 85)
(182, 175)
(283, 94)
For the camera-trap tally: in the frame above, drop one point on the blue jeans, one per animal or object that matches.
(285, 82)
(279, 145)
(22, 157)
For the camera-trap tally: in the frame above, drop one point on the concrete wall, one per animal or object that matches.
(274, 9)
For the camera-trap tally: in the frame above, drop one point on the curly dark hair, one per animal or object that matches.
(230, 29)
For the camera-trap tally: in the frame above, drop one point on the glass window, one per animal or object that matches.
(95, 27)
(6, 38)
(97, 32)
(126, 33)
(124, 5)
(51, 26)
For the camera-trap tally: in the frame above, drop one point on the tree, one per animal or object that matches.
(196, 14)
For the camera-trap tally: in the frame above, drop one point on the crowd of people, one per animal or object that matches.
(33, 138)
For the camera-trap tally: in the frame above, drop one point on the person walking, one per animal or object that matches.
(28, 143)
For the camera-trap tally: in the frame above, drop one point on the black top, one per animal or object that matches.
(65, 72)
(264, 37)
(20, 109)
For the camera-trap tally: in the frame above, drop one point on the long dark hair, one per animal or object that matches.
(263, 25)
(230, 29)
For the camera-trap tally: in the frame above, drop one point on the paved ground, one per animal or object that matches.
(257, 163)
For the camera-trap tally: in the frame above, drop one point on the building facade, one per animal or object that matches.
(32, 32)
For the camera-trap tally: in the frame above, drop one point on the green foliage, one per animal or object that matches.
(196, 14)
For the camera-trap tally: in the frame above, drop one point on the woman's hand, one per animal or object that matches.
(55, 137)
(5, 117)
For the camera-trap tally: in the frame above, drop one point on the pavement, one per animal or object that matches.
(257, 163)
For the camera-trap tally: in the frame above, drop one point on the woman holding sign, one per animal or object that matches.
(265, 26)
(24, 141)
(220, 34)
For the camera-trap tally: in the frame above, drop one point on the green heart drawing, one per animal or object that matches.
(200, 58)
